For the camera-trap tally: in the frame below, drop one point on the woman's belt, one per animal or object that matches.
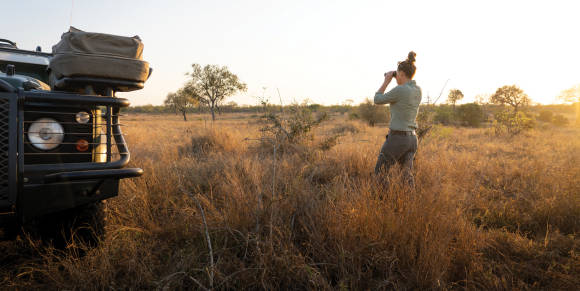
(400, 132)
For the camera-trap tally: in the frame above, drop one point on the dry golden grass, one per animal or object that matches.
(488, 212)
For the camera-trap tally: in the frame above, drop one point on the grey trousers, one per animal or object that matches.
(398, 149)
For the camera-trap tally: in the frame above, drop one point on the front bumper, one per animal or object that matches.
(92, 175)
(66, 190)
(39, 199)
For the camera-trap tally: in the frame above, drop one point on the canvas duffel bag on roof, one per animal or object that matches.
(98, 55)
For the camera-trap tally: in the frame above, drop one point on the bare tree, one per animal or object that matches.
(212, 84)
(510, 95)
(454, 96)
(482, 99)
(180, 101)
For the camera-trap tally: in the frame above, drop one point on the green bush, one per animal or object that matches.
(444, 115)
(512, 122)
(372, 114)
(292, 126)
(470, 114)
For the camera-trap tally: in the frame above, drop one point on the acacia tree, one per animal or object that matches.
(454, 96)
(180, 101)
(572, 95)
(212, 84)
(510, 95)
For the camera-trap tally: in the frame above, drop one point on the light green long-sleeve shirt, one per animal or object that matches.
(404, 101)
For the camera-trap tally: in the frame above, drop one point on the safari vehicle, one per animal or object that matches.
(63, 151)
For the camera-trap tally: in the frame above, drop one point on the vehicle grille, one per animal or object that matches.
(4, 154)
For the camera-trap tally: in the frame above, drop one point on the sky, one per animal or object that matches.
(327, 51)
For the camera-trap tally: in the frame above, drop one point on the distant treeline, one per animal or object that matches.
(234, 108)
(231, 108)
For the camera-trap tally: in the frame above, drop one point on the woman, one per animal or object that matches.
(401, 143)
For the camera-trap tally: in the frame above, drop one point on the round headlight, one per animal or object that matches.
(82, 117)
(45, 134)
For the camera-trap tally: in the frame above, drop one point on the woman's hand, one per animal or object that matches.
(388, 78)
(389, 75)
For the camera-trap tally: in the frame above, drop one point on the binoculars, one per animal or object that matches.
(394, 74)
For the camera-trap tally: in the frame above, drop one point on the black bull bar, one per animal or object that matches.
(38, 189)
